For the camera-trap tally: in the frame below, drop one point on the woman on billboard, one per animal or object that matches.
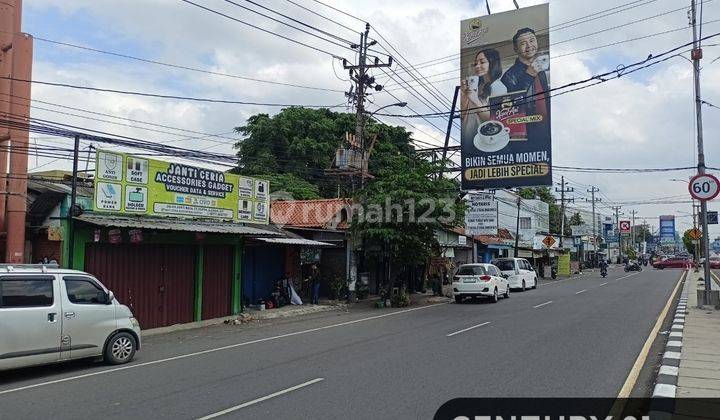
(477, 89)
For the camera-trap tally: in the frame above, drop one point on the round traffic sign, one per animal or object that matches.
(704, 187)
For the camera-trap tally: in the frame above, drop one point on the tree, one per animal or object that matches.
(688, 242)
(576, 220)
(295, 147)
(402, 209)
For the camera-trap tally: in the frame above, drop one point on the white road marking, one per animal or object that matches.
(231, 346)
(640, 361)
(629, 275)
(582, 291)
(602, 284)
(261, 399)
(543, 304)
(467, 329)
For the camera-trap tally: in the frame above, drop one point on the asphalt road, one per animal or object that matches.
(571, 338)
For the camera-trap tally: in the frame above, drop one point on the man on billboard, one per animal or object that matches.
(528, 74)
(504, 105)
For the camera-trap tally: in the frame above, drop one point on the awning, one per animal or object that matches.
(166, 223)
(294, 241)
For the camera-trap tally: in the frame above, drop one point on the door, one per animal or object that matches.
(86, 319)
(155, 281)
(217, 281)
(29, 320)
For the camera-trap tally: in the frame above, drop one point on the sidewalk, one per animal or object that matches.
(691, 362)
(699, 373)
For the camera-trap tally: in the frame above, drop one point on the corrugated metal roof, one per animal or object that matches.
(294, 241)
(166, 223)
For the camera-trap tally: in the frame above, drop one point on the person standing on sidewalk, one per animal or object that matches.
(314, 281)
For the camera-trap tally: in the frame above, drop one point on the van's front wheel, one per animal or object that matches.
(120, 348)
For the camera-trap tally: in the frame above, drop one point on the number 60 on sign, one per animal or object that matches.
(704, 187)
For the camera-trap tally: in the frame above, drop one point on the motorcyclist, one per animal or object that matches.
(603, 266)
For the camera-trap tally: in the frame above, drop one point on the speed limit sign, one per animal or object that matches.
(704, 187)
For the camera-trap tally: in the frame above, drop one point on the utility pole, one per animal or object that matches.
(696, 246)
(696, 56)
(563, 200)
(592, 192)
(359, 75)
(632, 229)
(617, 228)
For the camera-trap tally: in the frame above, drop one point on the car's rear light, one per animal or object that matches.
(485, 278)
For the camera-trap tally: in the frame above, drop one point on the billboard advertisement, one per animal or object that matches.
(128, 184)
(667, 229)
(504, 104)
(481, 216)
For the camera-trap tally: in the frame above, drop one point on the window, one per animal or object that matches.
(494, 271)
(24, 292)
(470, 270)
(525, 223)
(82, 290)
(505, 265)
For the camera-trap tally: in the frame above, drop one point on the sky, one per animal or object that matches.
(641, 120)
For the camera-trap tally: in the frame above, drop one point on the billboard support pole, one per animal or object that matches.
(449, 128)
(71, 210)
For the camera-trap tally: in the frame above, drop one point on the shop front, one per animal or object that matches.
(168, 271)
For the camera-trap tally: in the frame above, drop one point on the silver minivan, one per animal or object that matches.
(50, 315)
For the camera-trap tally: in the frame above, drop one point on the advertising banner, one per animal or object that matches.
(130, 184)
(667, 229)
(481, 217)
(504, 104)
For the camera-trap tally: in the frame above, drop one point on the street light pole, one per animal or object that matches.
(696, 55)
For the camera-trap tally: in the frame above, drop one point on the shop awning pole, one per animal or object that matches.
(71, 210)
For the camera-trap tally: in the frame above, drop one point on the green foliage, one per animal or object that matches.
(688, 242)
(576, 220)
(403, 207)
(400, 300)
(299, 144)
(338, 286)
(299, 188)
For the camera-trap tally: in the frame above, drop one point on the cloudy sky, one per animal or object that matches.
(641, 120)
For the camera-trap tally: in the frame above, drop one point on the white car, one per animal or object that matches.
(519, 272)
(50, 315)
(475, 280)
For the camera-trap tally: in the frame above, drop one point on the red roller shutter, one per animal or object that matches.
(217, 281)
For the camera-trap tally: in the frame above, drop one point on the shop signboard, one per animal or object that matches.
(481, 216)
(127, 184)
(667, 229)
(564, 265)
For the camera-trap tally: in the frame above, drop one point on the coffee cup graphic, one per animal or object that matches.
(491, 136)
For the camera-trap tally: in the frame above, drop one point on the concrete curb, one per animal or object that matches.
(667, 377)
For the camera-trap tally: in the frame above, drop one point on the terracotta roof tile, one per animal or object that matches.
(311, 213)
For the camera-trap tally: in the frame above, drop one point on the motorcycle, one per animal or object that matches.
(632, 266)
(603, 271)
(553, 272)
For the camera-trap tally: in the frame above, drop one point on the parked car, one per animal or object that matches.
(479, 280)
(520, 274)
(50, 315)
(674, 262)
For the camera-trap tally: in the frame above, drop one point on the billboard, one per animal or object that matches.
(504, 104)
(481, 216)
(667, 229)
(128, 184)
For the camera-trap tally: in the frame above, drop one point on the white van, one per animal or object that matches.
(520, 274)
(50, 315)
